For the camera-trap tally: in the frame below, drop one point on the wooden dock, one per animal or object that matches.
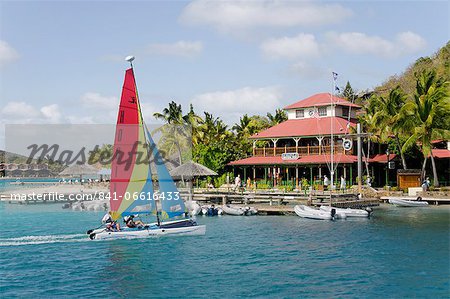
(283, 203)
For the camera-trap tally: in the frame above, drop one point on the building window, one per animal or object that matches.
(345, 111)
(299, 113)
(323, 111)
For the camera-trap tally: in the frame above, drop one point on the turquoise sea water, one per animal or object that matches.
(398, 253)
(16, 183)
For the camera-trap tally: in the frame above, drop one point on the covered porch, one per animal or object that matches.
(293, 175)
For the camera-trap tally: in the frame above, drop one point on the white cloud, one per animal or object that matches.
(228, 16)
(291, 47)
(23, 113)
(96, 100)
(19, 110)
(411, 42)
(7, 53)
(180, 48)
(51, 113)
(361, 43)
(232, 103)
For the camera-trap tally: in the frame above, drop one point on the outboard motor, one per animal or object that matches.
(333, 212)
(369, 210)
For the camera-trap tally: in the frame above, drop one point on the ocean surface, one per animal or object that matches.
(21, 183)
(398, 253)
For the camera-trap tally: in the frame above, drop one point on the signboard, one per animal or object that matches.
(347, 144)
(289, 156)
(391, 165)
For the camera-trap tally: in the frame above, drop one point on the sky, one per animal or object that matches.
(63, 62)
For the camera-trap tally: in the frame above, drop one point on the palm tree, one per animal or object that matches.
(427, 115)
(369, 124)
(249, 126)
(173, 132)
(171, 115)
(387, 117)
(194, 121)
(279, 117)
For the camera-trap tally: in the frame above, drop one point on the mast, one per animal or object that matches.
(130, 60)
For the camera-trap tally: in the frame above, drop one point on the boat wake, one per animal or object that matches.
(34, 240)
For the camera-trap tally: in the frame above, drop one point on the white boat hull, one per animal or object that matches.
(408, 203)
(144, 233)
(310, 213)
(348, 212)
(149, 230)
(193, 207)
(232, 211)
(239, 211)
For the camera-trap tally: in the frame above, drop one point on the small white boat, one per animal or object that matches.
(408, 203)
(193, 208)
(239, 211)
(185, 227)
(235, 211)
(250, 211)
(307, 212)
(348, 212)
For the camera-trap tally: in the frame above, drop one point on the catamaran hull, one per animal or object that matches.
(177, 231)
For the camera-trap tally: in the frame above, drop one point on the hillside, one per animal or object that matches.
(440, 62)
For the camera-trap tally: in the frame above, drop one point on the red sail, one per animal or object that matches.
(127, 133)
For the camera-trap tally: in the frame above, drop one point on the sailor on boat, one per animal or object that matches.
(111, 225)
(133, 137)
(129, 221)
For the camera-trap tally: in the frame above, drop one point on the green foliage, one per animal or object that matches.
(304, 183)
(221, 180)
(279, 117)
(348, 93)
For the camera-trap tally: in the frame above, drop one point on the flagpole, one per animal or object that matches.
(332, 139)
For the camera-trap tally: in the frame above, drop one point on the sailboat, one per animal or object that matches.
(132, 191)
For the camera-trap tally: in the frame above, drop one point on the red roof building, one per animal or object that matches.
(321, 99)
(300, 147)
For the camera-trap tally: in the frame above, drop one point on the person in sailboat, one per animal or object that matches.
(110, 223)
(131, 223)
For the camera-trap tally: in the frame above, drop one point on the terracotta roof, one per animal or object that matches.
(382, 158)
(441, 153)
(312, 159)
(305, 127)
(320, 99)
